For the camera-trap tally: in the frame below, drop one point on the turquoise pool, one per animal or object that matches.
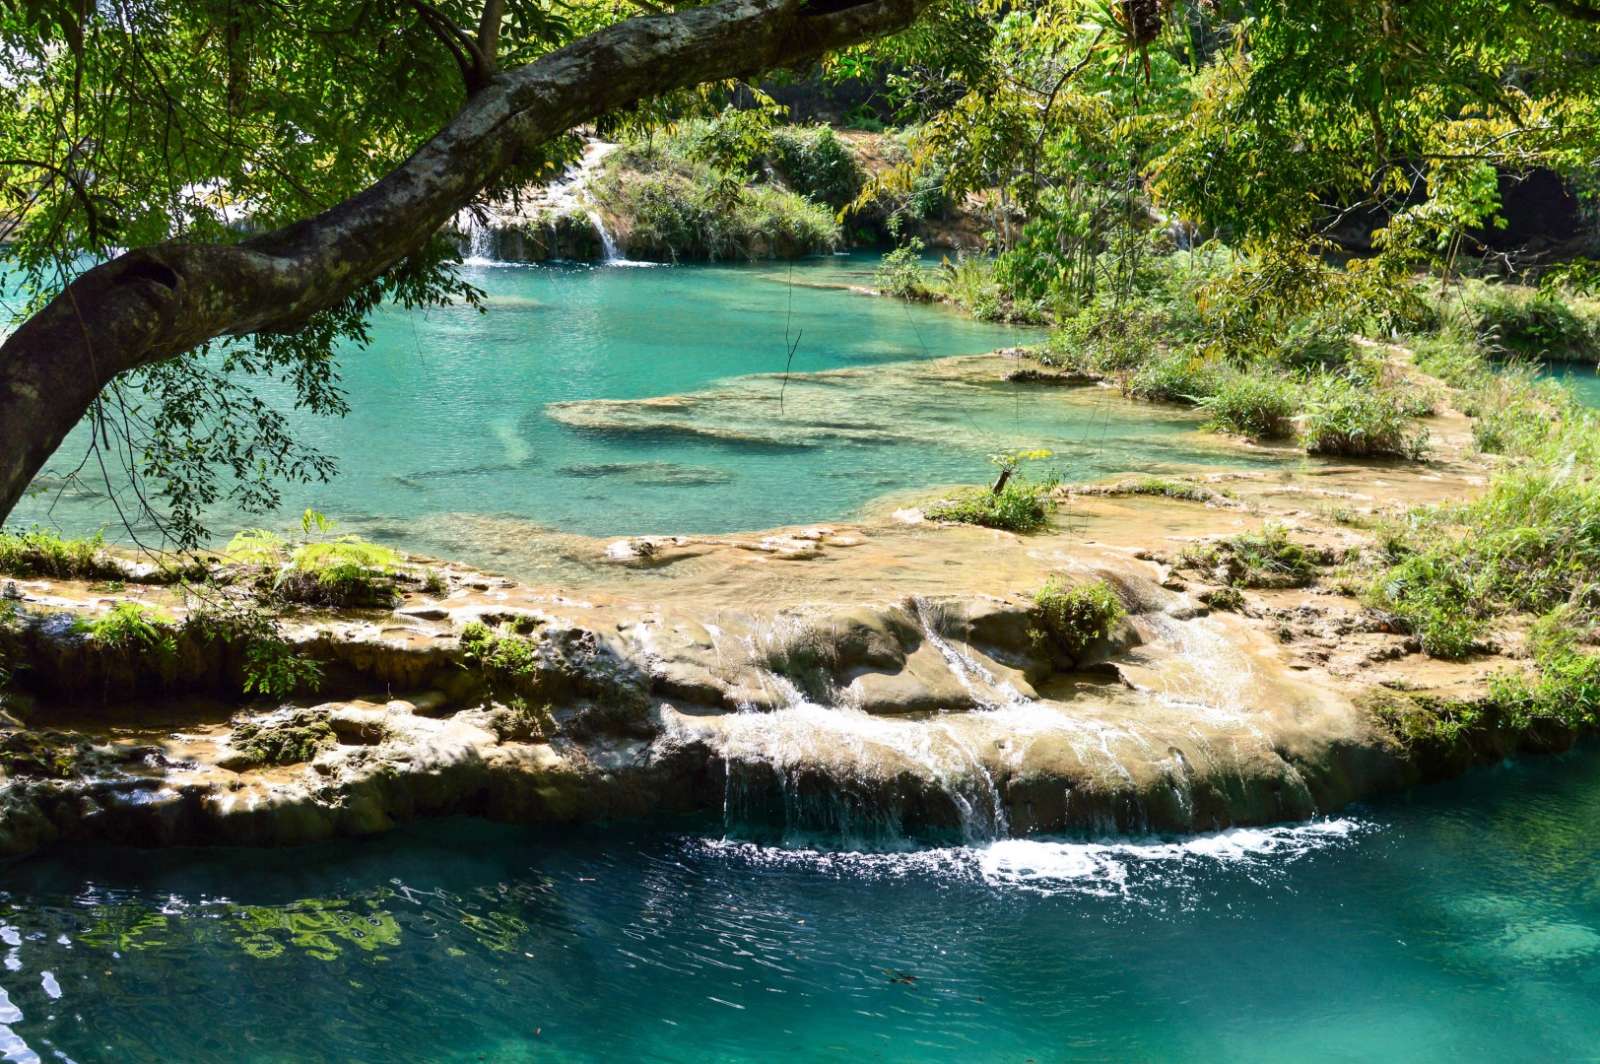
(1583, 380)
(454, 412)
(1458, 923)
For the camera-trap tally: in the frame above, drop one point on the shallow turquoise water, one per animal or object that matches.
(1583, 380)
(451, 409)
(1461, 923)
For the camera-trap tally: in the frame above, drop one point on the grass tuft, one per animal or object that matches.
(1268, 558)
(1020, 506)
(1347, 416)
(40, 553)
(1071, 618)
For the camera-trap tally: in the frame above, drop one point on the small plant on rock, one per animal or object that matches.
(1268, 558)
(1071, 618)
(1011, 503)
(273, 667)
(508, 657)
(522, 721)
(129, 626)
(343, 571)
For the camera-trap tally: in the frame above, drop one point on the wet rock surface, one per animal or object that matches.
(880, 678)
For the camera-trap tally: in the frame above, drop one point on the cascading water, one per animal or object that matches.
(567, 193)
(818, 766)
(608, 244)
(480, 250)
(825, 751)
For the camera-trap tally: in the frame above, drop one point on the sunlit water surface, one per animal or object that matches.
(451, 410)
(1462, 923)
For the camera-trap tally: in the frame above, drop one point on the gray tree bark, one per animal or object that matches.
(155, 303)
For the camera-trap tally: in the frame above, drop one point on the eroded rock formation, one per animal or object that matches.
(882, 678)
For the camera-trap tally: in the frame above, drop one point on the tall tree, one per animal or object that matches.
(176, 128)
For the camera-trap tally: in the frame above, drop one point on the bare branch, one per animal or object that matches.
(462, 46)
(494, 13)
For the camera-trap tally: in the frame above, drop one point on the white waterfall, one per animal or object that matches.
(568, 193)
(607, 244)
(479, 237)
(818, 765)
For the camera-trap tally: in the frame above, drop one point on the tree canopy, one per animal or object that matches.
(196, 193)
(205, 177)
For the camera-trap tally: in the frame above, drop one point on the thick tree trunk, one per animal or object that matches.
(157, 302)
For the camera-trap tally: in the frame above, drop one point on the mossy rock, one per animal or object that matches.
(1073, 618)
(522, 723)
(284, 740)
(52, 755)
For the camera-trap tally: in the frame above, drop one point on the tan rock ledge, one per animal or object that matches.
(882, 676)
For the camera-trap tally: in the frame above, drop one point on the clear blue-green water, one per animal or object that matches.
(1460, 923)
(1583, 380)
(451, 410)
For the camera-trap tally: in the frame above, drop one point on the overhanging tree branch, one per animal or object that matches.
(155, 303)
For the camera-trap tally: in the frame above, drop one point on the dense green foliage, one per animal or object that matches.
(1206, 330)
(1531, 545)
(1519, 322)
(1095, 134)
(676, 204)
(1257, 407)
(39, 552)
(1525, 557)
(814, 162)
(1359, 418)
(131, 627)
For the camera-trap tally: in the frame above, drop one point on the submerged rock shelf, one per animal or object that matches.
(874, 680)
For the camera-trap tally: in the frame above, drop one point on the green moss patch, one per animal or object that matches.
(286, 740)
(1265, 559)
(51, 755)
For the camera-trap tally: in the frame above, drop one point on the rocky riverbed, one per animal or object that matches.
(879, 678)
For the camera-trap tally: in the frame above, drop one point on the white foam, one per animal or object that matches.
(1105, 867)
(1108, 868)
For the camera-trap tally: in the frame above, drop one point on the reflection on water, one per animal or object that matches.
(1460, 923)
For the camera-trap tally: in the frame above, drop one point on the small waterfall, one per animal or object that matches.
(561, 198)
(479, 239)
(818, 767)
(987, 691)
(607, 243)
